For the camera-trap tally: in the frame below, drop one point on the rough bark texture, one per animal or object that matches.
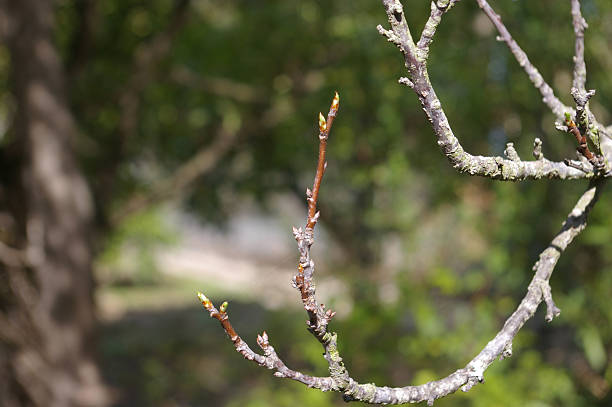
(46, 305)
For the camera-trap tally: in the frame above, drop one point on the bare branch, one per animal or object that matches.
(548, 96)
(464, 378)
(512, 168)
(438, 8)
(324, 129)
(269, 359)
(580, 25)
(498, 168)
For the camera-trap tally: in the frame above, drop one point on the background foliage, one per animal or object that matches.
(434, 261)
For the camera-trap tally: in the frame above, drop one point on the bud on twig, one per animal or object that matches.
(223, 307)
(335, 103)
(205, 301)
(322, 123)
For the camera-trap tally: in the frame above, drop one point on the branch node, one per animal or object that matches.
(507, 352)
(511, 153)
(552, 310)
(579, 165)
(406, 81)
(537, 149)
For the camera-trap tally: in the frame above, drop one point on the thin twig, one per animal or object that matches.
(464, 378)
(548, 96)
(583, 147)
(438, 8)
(324, 129)
(270, 358)
(580, 25)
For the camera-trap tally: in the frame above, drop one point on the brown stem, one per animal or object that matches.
(583, 147)
(324, 129)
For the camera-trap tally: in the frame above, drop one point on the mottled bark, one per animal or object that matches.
(47, 311)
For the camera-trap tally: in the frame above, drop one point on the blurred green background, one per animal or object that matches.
(421, 263)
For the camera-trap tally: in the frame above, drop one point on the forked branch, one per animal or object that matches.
(579, 72)
(416, 57)
(509, 168)
(465, 378)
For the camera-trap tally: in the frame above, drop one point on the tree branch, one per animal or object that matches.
(269, 359)
(499, 168)
(438, 8)
(580, 25)
(512, 168)
(548, 96)
(340, 380)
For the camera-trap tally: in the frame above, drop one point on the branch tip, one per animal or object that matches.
(322, 123)
(335, 102)
(205, 301)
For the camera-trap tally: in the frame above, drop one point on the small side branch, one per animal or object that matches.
(269, 359)
(580, 25)
(548, 96)
(324, 129)
(438, 9)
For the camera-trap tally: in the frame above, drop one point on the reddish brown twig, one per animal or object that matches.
(270, 358)
(324, 128)
(583, 147)
(220, 315)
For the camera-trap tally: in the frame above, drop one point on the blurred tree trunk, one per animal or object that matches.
(46, 357)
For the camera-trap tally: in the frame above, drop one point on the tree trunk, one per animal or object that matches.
(46, 302)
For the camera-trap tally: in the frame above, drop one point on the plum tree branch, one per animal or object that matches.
(509, 168)
(579, 77)
(580, 25)
(494, 167)
(340, 380)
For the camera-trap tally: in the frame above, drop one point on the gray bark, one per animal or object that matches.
(47, 312)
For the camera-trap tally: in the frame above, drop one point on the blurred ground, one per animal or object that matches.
(251, 259)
